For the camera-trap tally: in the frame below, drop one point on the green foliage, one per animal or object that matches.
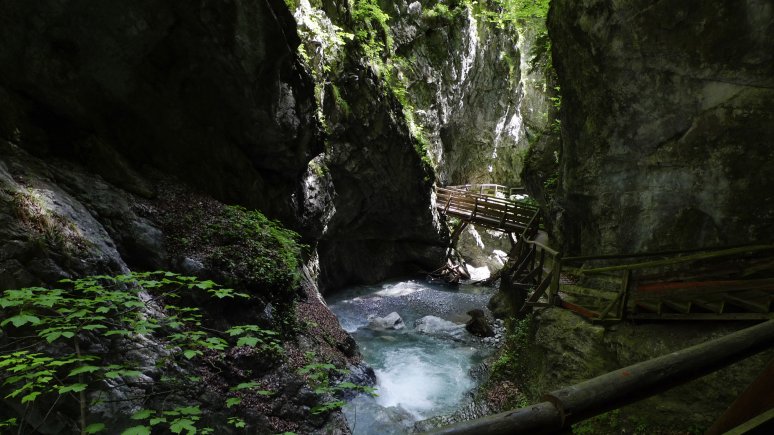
(509, 363)
(47, 331)
(371, 29)
(505, 12)
(440, 14)
(321, 378)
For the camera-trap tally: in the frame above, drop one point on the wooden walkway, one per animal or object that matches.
(482, 204)
(724, 283)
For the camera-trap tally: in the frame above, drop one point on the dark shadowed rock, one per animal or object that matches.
(479, 324)
(667, 123)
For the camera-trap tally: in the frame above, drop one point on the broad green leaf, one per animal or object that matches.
(83, 369)
(30, 397)
(21, 320)
(233, 401)
(247, 341)
(156, 420)
(74, 388)
(189, 410)
(181, 424)
(142, 414)
(137, 430)
(94, 428)
(117, 332)
(93, 327)
(189, 353)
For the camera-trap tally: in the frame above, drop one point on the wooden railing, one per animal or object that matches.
(566, 406)
(491, 189)
(729, 283)
(485, 210)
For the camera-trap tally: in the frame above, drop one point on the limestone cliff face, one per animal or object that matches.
(477, 96)
(667, 123)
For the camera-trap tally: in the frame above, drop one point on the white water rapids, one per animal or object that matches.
(418, 375)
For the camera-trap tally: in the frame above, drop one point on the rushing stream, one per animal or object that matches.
(419, 375)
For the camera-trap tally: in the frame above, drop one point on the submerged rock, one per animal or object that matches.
(392, 321)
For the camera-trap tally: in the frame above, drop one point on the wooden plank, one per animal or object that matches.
(585, 312)
(754, 401)
(725, 285)
(683, 259)
(580, 258)
(635, 382)
(654, 306)
(713, 306)
(536, 295)
(748, 304)
(679, 306)
(760, 424)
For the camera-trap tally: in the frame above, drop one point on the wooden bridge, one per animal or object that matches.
(487, 205)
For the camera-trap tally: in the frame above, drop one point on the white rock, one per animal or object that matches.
(392, 321)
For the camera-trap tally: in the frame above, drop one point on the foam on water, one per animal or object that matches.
(418, 376)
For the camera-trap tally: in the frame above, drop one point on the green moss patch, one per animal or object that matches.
(239, 247)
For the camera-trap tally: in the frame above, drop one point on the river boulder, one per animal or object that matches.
(478, 324)
(392, 321)
(432, 325)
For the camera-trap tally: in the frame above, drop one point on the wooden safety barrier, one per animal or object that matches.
(566, 406)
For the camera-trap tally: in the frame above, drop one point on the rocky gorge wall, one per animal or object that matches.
(667, 126)
(125, 128)
(665, 144)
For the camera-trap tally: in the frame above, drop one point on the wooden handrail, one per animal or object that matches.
(654, 254)
(683, 259)
(615, 389)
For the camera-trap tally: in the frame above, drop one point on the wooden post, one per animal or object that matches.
(626, 286)
(556, 274)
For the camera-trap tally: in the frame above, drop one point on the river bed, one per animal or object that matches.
(419, 376)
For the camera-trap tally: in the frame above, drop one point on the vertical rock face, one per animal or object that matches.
(667, 123)
(384, 224)
(471, 84)
(211, 92)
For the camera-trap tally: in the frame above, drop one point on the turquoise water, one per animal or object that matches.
(418, 375)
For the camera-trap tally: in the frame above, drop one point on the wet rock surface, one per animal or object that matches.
(666, 124)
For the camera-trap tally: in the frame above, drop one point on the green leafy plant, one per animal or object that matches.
(49, 336)
(321, 378)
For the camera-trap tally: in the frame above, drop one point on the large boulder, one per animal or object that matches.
(392, 322)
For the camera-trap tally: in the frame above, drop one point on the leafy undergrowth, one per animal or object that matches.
(501, 389)
(125, 354)
(80, 347)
